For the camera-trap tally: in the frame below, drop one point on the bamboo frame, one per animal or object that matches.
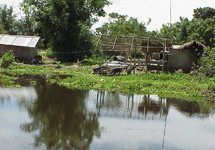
(129, 44)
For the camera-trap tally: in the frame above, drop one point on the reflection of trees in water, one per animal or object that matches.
(128, 105)
(113, 104)
(193, 109)
(155, 107)
(61, 119)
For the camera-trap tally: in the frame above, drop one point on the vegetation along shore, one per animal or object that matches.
(177, 85)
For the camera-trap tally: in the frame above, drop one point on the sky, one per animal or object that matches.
(157, 10)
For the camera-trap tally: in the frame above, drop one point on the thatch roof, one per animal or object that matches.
(192, 44)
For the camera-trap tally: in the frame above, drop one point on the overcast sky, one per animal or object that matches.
(157, 10)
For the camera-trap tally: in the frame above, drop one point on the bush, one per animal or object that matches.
(50, 53)
(7, 59)
(206, 65)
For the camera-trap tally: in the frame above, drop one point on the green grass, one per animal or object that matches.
(176, 85)
(8, 81)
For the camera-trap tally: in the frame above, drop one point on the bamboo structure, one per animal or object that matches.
(128, 46)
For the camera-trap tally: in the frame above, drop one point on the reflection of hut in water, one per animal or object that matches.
(129, 106)
(183, 57)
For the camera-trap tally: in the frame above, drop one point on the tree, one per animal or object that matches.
(172, 32)
(120, 25)
(27, 23)
(65, 24)
(201, 28)
(184, 23)
(202, 31)
(204, 13)
(207, 63)
(7, 19)
(2, 31)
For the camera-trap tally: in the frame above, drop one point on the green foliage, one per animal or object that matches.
(200, 28)
(206, 65)
(2, 31)
(7, 81)
(27, 24)
(120, 25)
(7, 59)
(202, 31)
(7, 19)
(50, 53)
(204, 13)
(65, 24)
(90, 61)
(172, 32)
(163, 84)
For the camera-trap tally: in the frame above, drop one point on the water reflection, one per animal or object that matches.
(76, 119)
(25, 93)
(146, 106)
(61, 119)
(192, 109)
(129, 105)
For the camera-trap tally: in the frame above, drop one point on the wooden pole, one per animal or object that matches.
(147, 55)
(170, 15)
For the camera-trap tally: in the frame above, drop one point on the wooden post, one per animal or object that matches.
(132, 45)
(147, 55)
(163, 54)
(134, 60)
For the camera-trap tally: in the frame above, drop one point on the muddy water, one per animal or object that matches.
(52, 117)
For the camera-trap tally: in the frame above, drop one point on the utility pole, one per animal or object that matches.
(170, 14)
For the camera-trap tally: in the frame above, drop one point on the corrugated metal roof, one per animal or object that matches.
(15, 40)
(33, 42)
(175, 46)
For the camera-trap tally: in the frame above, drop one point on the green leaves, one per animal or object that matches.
(207, 63)
(65, 24)
(204, 13)
(7, 19)
(7, 59)
(121, 25)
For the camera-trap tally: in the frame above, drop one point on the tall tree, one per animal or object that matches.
(172, 32)
(66, 23)
(2, 31)
(27, 24)
(7, 19)
(204, 13)
(202, 31)
(120, 25)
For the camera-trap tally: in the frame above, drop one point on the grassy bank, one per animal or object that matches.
(176, 85)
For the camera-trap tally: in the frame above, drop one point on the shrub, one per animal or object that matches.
(206, 65)
(50, 53)
(7, 59)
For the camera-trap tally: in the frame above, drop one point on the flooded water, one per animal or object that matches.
(52, 117)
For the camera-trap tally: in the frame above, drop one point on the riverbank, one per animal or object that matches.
(177, 85)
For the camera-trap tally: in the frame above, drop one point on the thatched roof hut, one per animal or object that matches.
(195, 47)
(192, 44)
(184, 56)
